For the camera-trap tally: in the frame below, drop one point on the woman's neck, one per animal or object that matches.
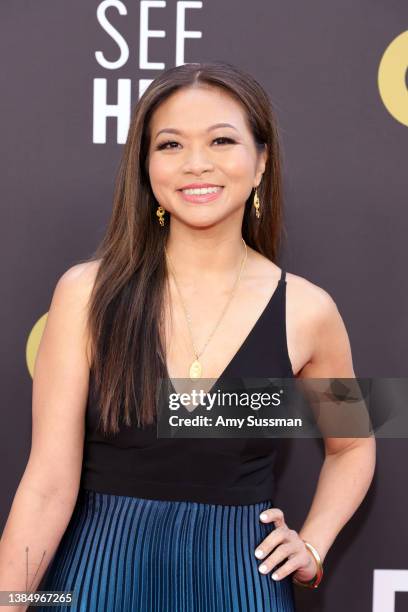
(204, 257)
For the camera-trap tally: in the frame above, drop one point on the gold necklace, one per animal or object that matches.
(196, 368)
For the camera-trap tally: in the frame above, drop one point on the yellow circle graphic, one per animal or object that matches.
(33, 342)
(391, 78)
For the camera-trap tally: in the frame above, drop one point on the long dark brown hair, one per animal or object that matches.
(125, 310)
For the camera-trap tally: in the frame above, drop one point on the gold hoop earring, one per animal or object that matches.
(257, 203)
(160, 213)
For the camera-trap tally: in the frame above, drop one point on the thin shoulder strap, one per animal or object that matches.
(283, 330)
(283, 276)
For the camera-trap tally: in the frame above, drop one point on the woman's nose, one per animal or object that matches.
(197, 161)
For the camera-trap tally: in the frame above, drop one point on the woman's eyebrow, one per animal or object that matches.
(212, 127)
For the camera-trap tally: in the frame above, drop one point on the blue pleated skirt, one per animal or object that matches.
(123, 553)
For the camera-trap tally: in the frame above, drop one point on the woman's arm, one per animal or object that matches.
(343, 482)
(34, 528)
(46, 495)
(349, 463)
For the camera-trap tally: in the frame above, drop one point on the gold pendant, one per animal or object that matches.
(195, 369)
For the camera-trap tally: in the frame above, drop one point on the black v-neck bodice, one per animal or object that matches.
(256, 357)
(136, 463)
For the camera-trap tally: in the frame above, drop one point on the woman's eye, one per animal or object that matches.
(164, 144)
(171, 142)
(225, 138)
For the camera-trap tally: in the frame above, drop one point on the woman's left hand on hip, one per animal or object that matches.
(284, 543)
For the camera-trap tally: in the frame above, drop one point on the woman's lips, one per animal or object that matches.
(201, 199)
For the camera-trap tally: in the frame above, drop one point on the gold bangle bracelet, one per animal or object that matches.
(315, 581)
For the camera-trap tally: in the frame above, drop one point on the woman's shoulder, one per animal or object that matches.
(307, 298)
(72, 295)
(312, 306)
(311, 309)
(82, 273)
(79, 279)
(314, 323)
(310, 296)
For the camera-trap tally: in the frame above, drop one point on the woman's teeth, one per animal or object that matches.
(201, 191)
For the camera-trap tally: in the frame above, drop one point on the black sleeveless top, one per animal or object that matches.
(232, 471)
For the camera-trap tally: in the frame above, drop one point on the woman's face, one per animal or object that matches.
(194, 152)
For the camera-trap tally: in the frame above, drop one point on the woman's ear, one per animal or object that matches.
(262, 159)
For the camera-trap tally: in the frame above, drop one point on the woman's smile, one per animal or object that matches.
(201, 196)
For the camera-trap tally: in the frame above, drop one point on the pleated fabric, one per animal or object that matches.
(122, 553)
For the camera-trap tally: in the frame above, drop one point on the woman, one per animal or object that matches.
(184, 284)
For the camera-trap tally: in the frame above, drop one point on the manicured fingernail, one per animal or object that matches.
(259, 553)
(263, 568)
(263, 516)
(275, 576)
